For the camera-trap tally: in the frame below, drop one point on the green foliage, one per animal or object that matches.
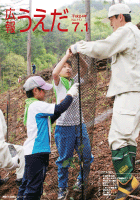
(4, 50)
(12, 67)
(72, 162)
(46, 60)
(3, 34)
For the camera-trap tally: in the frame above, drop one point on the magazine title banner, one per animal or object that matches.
(75, 20)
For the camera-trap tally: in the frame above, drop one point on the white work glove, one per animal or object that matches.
(75, 47)
(15, 165)
(73, 91)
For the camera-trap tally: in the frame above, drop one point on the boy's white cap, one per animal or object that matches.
(119, 8)
(36, 81)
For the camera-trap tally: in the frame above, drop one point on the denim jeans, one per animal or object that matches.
(67, 139)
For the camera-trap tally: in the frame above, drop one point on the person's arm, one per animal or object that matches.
(7, 162)
(3, 124)
(117, 42)
(84, 66)
(60, 108)
(63, 106)
(59, 67)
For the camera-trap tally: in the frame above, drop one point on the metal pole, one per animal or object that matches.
(81, 137)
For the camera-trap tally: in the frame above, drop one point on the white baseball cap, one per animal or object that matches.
(119, 8)
(36, 81)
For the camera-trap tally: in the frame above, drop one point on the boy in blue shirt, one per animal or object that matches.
(38, 117)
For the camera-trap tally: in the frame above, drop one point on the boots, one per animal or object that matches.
(132, 186)
(133, 162)
(124, 164)
(132, 154)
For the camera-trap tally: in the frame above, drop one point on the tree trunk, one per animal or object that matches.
(0, 71)
(29, 45)
(87, 9)
(88, 33)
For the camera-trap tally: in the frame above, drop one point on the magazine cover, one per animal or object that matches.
(70, 97)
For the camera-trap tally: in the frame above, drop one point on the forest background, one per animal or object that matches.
(48, 48)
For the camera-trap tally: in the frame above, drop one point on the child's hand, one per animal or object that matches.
(73, 91)
(69, 53)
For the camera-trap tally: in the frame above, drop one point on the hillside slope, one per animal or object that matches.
(102, 166)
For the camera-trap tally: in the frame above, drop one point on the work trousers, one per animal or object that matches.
(125, 125)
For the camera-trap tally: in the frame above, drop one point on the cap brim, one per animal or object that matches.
(46, 86)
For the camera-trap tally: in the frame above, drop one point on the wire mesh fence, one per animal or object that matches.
(82, 142)
(95, 110)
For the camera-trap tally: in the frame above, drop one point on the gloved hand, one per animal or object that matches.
(75, 47)
(73, 91)
(15, 165)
